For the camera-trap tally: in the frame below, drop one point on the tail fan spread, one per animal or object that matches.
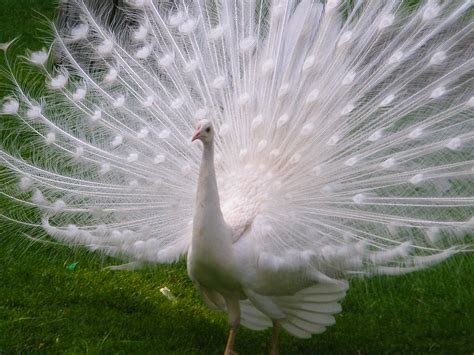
(345, 130)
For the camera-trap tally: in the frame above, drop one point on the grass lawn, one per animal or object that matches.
(47, 305)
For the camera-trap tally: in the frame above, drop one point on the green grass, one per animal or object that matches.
(46, 307)
(49, 308)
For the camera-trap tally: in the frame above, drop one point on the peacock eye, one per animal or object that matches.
(208, 129)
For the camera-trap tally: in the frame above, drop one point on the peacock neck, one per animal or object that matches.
(207, 177)
(208, 211)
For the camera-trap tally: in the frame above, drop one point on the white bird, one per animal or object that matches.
(337, 141)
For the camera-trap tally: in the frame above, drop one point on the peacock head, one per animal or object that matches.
(204, 132)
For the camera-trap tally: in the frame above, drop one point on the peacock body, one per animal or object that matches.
(340, 144)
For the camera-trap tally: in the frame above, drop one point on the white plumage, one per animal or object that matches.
(340, 143)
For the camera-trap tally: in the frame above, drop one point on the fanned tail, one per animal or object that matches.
(104, 153)
(355, 151)
(345, 130)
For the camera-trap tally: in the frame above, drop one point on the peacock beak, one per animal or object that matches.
(196, 135)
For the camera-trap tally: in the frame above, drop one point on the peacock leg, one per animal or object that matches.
(230, 341)
(233, 309)
(275, 332)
